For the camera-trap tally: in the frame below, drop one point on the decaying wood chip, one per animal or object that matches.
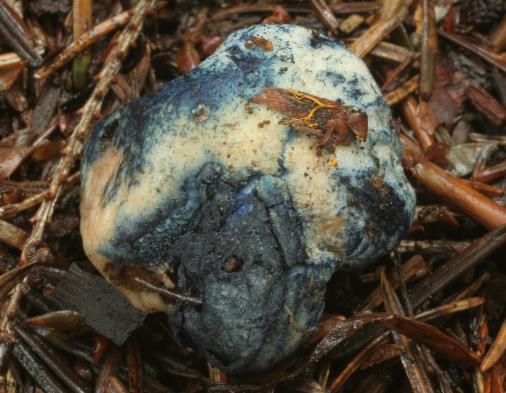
(99, 303)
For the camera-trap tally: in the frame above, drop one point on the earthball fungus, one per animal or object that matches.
(242, 187)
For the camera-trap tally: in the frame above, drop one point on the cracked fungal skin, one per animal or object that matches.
(205, 189)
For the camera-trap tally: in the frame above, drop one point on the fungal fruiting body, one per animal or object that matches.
(211, 189)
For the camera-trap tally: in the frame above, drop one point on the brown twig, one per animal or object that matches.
(410, 110)
(395, 96)
(429, 49)
(393, 77)
(493, 58)
(90, 112)
(84, 41)
(457, 265)
(388, 51)
(325, 14)
(488, 105)
(413, 267)
(377, 32)
(484, 210)
(356, 362)
(31, 201)
(339, 8)
(435, 248)
(168, 293)
(492, 173)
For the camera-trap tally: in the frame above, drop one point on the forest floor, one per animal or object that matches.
(429, 317)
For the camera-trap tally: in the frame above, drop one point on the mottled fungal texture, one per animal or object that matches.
(224, 200)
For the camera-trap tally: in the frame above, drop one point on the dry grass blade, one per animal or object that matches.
(496, 351)
(377, 32)
(450, 308)
(89, 114)
(82, 22)
(356, 363)
(432, 337)
(410, 357)
(12, 235)
(429, 49)
(63, 320)
(342, 331)
(472, 288)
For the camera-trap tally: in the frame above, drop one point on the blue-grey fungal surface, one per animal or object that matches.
(206, 189)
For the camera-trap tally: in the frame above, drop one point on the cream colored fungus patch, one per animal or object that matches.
(248, 138)
(98, 222)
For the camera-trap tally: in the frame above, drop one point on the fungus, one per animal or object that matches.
(246, 184)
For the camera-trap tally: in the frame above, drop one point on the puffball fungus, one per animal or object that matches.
(209, 187)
